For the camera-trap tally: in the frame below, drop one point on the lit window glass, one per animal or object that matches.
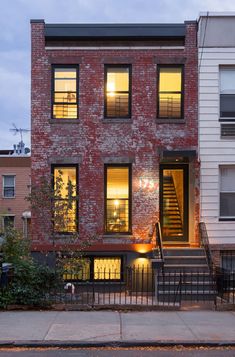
(65, 190)
(170, 92)
(107, 268)
(117, 101)
(65, 96)
(117, 199)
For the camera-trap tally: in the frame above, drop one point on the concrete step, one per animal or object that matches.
(194, 296)
(183, 252)
(185, 287)
(186, 268)
(190, 260)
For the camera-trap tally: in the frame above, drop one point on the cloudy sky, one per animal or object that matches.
(15, 40)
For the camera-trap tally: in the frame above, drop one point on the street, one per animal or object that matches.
(117, 352)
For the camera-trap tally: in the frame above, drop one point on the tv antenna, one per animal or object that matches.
(19, 130)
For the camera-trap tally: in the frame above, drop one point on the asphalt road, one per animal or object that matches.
(112, 352)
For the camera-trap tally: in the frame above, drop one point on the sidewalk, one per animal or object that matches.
(97, 328)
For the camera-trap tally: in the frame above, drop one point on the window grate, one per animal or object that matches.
(227, 130)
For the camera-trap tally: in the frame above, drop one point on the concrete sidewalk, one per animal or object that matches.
(86, 328)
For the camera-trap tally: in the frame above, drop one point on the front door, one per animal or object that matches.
(174, 202)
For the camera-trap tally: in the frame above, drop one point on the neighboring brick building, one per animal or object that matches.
(115, 108)
(15, 183)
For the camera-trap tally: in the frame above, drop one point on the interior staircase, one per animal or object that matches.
(185, 276)
(172, 224)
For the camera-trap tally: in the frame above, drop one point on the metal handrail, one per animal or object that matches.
(159, 245)
(206, 245)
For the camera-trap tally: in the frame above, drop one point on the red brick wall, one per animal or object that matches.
(90, 140)
(20, 167)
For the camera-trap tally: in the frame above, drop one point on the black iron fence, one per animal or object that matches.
(140, 286)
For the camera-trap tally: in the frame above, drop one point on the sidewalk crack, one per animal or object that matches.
(188, 327)
(51, 323)
(120, 322)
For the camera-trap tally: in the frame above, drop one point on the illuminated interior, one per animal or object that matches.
(170, 92)
(76, 269)
(173, 203)
(117, 199)
(65, 203)
(117, 92)
(107, 268)
(65, 93)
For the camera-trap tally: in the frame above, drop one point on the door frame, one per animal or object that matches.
(185, 168)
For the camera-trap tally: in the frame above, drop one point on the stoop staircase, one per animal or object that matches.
(186, 276)
(171, 208)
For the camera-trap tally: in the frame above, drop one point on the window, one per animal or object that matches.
(227, 192)
(8, 186)
(8, 222)
(65, 93)
(107, 268)
(170, 92)
(117, 92)
(228, 260)
(65, 199)
(76, 269)
(117, 198)
(227, 92)
(92, 268)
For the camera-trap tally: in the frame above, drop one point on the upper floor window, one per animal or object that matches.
(227, 92)
(65, 93)
(117, 91)
(170, 92)
(227, 192)
(117, 192)
(65, 199)
(8, 186)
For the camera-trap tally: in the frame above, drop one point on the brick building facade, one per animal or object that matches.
(148, 140)
(15, 183)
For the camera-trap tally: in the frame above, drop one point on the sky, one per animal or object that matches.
(15, 18)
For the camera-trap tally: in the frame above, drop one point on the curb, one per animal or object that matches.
(89, 344)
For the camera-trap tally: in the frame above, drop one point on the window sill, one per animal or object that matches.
(226, 119)
(170, 121)
(226, 219)
(8, 198)
(64, 121)
(117, 235)
(116, 120)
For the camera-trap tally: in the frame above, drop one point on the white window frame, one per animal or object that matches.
(221, 69)
(3, 216)
(225, 218)
(3, 185)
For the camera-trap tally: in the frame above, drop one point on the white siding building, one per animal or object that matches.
(216, 42)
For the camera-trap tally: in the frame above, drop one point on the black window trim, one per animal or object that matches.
(182, 90)
(53, 167)
(106, 232)
(53, 67)
(106, 67)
